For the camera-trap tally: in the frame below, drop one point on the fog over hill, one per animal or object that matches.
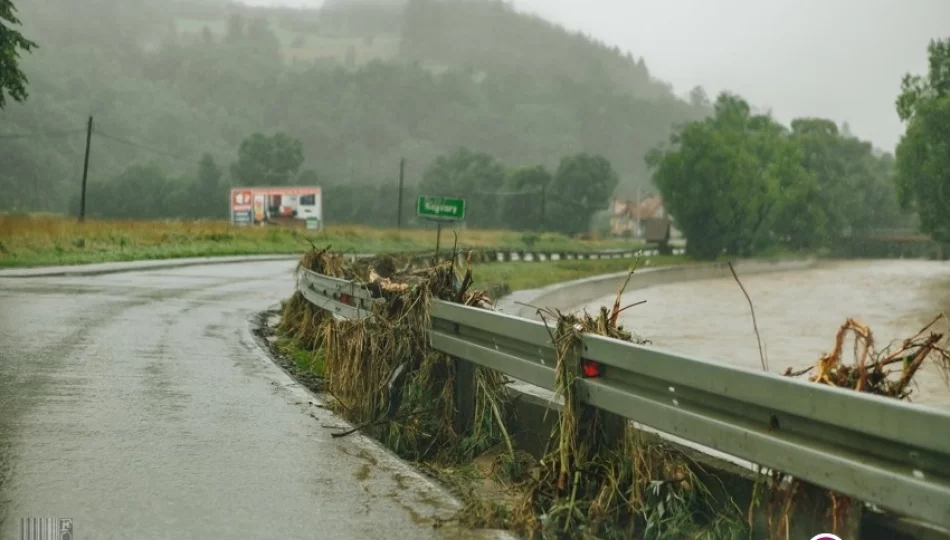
(838, 59)
(481, 98)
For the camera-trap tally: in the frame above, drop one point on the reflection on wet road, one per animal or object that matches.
(798, 314)
(139, 406)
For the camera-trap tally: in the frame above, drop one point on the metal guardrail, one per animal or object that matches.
(338, 296)
(492, 254)
(882, 451)
(346, 299)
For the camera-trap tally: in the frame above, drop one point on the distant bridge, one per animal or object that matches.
(888, 243)
(894, 235)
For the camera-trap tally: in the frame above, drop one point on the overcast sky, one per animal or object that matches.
(839, 59)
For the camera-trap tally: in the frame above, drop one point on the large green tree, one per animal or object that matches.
(524, 203)
(268, 161)
(12, 79)
(852, 190)
(721, 177)
(581, 187)
(738, 182)
(476, 176)
(142, 191)
(208, 196)
(923, 154)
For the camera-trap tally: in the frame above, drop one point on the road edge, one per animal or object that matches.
(256, 322)
(99, 269)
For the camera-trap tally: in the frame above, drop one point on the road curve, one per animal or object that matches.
(140, 406)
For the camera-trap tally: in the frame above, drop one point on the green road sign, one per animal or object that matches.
(441, 208)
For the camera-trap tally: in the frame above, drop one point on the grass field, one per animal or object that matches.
(55, 240)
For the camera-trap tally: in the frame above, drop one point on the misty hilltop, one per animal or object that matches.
(360, 84)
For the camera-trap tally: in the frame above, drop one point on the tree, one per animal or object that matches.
(923, 154)
(12, 79)
(717, 181)
(698, 98)
(308, 177)
(139, 192)
(262, 37)
(349, 60)
(236, 28)
(475, 176)
(522, 207)
(268, 161)
(582, 186)
(207, 192)
(207, 37)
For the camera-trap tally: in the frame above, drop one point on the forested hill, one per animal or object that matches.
(360, 85)
(494, 37)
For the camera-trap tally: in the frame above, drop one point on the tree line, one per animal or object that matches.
(734, 181)
(191, 89)
(528, 198)
(739, 183)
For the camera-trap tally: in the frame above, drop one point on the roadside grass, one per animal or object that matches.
(37, 240)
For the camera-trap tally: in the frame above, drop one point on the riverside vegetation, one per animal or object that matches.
(598, 477)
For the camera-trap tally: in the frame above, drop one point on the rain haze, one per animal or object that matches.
(838, 59)
(279, 268)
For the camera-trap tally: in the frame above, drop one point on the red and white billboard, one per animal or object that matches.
(297, 205)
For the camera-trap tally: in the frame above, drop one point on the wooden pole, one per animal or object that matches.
(402, 174)
(85, 172)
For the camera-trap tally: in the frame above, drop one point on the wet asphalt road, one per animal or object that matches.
(140, 406)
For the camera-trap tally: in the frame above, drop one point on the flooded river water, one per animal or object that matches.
(798, 314)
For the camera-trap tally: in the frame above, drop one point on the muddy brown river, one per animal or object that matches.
(798, 314)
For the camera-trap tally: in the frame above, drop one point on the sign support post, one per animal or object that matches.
(440, 210)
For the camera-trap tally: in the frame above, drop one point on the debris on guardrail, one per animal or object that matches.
(301, 320)
(601, 478)
(887, 372)
(872, 371)
(382, 372)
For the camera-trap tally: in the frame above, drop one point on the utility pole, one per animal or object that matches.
(402, 175)
(85, 172)
(639, 231)
(544, 190)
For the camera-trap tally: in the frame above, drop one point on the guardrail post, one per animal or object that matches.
(600, 429)
(464, 384)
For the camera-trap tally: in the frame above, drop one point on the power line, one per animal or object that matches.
(511, 193)
(61, 133)
(153, 149)
(140, 146)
